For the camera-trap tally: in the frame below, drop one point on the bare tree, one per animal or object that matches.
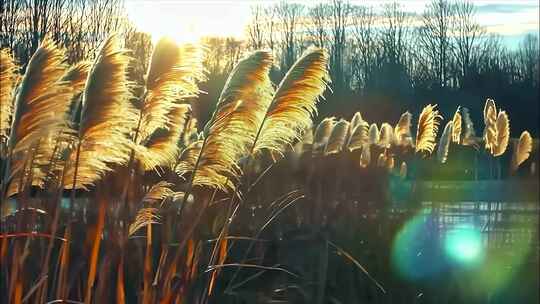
(233, 51)
(395, 32)
(222, 54)
(466, 38)
(10, 20)
(340, 20)
(318, 23)
(141, 46)
(256, 28)
(271, 26)
(77, 25)
(364, 37)
(434, 37)
(529, 59)
(289, 15)
(214, 54)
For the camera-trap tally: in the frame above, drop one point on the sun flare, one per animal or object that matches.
(188, 21)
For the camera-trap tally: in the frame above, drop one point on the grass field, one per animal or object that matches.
(112, 192)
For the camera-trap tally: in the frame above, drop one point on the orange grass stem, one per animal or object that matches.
(120, 288)
(95, 250)
(32, 234)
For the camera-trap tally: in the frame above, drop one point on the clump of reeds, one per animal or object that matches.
(156, 188)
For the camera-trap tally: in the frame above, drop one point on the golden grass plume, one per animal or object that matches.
(456, 128)
(191, 132)
(426, 132)
(402, 130)
(373, 134)
(161, 149)
(356, 120)
(386, 136)
(322, 133)
(359, 136)
(444, 142)
(231, 131)
(188, 158)
(172, 75)
(77, 75)
(468, 133)
(503, 133)
(158, 192)
(42, 99)
(8, 80)
(107, 118)
(145, 216)
(490, 129)
(294, 102)
(338, 138)
(522, 150)
(365, 156)
(41, 105)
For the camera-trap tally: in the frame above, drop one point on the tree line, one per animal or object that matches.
(383, 59)
(389, 58)
(79, 25)
(445, 46)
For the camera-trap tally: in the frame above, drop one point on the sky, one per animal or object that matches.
(188, 20)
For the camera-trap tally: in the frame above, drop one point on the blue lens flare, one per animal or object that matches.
(428, 248)
(415, 252)
(463, 246)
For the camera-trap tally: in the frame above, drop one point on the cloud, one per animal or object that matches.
(506, 8)
(515, 29)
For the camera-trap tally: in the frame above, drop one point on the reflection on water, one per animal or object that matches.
(488, 244)
(468, 251)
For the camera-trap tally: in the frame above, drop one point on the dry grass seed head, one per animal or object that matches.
(490, 129)
(386, 138)
(356, 120)
(359, 136)
(42, 99)
(188, 158)
(468, 133)
(444, 143)
(456, 128)
(522, 150)
(145, 216)
(426, 132)
(365, 156)
(161, 149)
(107, 117)
(402, 130)
(231, 131)
(338, 138)
(374, 134)
(503, 133)
(8, 80)
(322, 133)
(158, 192)
(294, 102)
(39, 123)
(173, 75)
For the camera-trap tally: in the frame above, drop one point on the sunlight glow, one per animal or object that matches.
(188, 21)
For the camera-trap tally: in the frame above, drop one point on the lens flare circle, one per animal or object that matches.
(464, 246)
(415, 249)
